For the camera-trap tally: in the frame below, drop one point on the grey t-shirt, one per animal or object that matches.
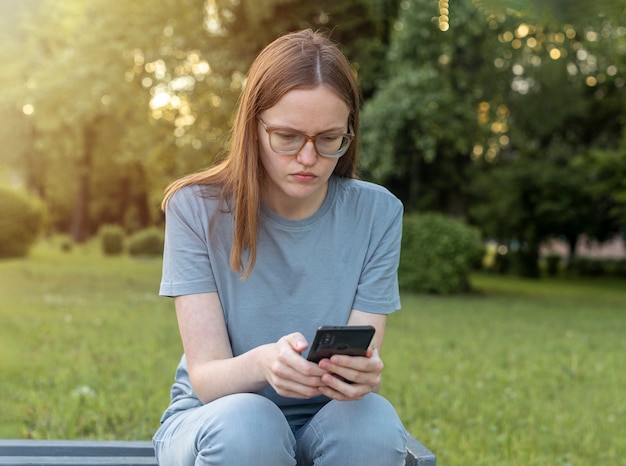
(308, 272)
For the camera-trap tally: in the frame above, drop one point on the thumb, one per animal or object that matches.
(297, 341)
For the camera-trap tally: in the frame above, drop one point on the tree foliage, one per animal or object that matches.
(86, 122)
(567, 112)
(605, 177)
(423, 122)
(106, 102)
(487, 104)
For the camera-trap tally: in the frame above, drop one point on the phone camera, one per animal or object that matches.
(327, 339)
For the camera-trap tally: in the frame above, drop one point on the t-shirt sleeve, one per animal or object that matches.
(378, 291)
(186, 264)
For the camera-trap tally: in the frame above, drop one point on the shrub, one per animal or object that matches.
(21, 222)
(438, 253)
(111, 239)
(598, 267)
(587, 267)
(148, 242)
(620, 268)
(66, 244)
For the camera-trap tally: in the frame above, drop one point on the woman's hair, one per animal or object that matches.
(299, 60)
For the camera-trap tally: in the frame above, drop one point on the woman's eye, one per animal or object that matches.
(286, 136)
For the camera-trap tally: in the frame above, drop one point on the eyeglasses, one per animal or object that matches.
(290, 142)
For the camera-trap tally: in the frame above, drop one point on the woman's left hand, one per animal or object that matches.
(351, 377)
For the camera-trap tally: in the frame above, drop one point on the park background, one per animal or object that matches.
(505, 118)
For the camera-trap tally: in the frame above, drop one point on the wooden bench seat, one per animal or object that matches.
(122, 453)
(76, 452)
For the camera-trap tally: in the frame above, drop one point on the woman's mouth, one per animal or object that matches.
(303, 176)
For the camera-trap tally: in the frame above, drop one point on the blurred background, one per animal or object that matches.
(506, 114)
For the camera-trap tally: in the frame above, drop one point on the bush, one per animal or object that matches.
(21, 222)
(438, 253)
(598, 267)
(61, 241)
(148, 242)
(586, 267)
(620, 268)
(66, 244)
(111, 239)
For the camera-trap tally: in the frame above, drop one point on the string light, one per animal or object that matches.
(444, 15)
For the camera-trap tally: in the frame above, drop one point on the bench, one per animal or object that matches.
(123, 453)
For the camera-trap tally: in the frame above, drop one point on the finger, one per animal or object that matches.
(340, 390)
(345, 365)
(290, 366)
(291, 358)
(288, 381)
(355, 370)
(298, 370)
(297, 341)
(291, 389)
(366, 363)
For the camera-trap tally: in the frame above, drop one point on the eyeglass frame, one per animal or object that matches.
(269, 130)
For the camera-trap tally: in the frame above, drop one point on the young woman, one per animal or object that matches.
(263, 248)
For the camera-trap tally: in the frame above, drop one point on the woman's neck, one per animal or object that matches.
(294, 208)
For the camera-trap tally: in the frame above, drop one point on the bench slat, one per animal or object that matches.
(75, 448)
(124, 453)
(76, 460)
(76, 452)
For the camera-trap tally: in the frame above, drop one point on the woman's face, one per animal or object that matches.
(294, 186)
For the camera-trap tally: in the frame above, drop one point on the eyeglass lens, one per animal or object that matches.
(330, 145)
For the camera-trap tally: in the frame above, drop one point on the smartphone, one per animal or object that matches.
(352, 340)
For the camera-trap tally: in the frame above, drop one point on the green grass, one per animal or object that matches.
(87, 348)
(518, 373)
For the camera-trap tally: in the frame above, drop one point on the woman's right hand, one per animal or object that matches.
(287, 371)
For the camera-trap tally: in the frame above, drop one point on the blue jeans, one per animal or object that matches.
(249, 429)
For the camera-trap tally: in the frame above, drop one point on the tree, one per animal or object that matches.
(97, 124)
(605, 175)
(529, 200)
(441, 102)
(100, 122)
(74, 93)
(566, 114)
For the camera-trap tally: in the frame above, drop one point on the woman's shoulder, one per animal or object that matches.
(366, 191)
(194, 196)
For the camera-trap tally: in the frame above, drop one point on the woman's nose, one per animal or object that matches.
(308, 154)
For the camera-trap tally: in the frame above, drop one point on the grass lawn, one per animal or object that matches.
(517, 373)
(87, 348)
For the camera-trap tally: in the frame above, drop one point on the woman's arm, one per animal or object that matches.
(214, 372)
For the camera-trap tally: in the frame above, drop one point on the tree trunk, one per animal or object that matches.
(35, 168)
(456, 205)
(528, 257)
(141, 197)
(571, 241)
(80, 219)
